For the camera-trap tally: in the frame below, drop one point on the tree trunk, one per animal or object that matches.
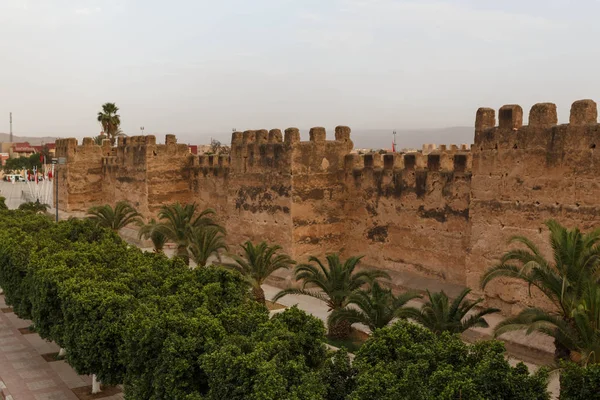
(259, 294)
(561, 352)
(62, 352)
(96, 388)
(340, 330)
(182, 253)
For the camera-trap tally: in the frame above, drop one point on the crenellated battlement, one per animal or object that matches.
(453, 160)
(543, 131)
(262, 151)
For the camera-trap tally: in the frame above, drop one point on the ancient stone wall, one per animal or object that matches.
(443, 213)
(410, 212)
(525, 175)
(137, 170)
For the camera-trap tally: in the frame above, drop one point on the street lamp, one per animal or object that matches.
(142, 129)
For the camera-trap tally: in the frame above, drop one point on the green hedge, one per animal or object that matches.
(169, 332)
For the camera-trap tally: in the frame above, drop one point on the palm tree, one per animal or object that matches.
(563, 281)
(376, 307)
(3, 203)
(110, 120)
(580, 335)
(178, 222)
(259, 263)
(149, 231)
(204, 242)
(334, 284)
(439, 315)
(34, 207)
(99, 139)
(122, 215)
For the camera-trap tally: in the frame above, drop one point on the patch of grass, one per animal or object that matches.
(26, 331)
(352, 343)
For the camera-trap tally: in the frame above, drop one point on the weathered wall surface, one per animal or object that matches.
(250, 189)
(525, 175)
(411, 212)
(444, 213)
(80, 178)
(137, 170)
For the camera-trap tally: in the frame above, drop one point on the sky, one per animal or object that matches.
(202, 68)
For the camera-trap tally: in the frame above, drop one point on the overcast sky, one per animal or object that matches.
(199, 68)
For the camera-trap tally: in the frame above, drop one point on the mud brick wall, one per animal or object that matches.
(525, 175)
(444, 213)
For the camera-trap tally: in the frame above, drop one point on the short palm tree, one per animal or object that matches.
(34, 207)
(334, 284)
(177, 223)
(99, 140)
(258, 263)
(122, 215)
(149, 231)
(110, 120)
(563, 280)
(374, 308)
(580, 334)
(439, 315)
(204, 242)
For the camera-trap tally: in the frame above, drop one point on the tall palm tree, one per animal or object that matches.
(334, 284)
(563, 280)
(149, 231)
(204, 242)
(258, 264)
(439, 315)
(110, 120)
(122, 215)
(375, 308)
(177, 223)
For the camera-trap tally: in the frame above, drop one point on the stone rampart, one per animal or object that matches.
(443, 213)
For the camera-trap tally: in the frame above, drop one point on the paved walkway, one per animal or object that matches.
(24, 374)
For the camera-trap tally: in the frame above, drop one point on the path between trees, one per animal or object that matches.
(25, 374)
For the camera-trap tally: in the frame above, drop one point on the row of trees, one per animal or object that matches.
(24, 163)
(353, 296)
(165, 330)
(570, 281)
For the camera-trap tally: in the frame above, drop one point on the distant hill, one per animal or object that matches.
(411, 138)
(362, 138)
(34, 141)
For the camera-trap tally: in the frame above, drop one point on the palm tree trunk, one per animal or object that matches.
(561, 352)
(182, 253)
(259, 294)
(340, 330)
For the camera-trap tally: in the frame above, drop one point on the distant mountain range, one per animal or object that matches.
(362, 138)
(34, 141)
(410, 138)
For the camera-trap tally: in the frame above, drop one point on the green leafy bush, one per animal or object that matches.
(580, 383)
(406, 361)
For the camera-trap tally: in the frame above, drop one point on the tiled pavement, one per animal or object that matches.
(24, 374)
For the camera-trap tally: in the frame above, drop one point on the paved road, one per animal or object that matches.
(19, 192)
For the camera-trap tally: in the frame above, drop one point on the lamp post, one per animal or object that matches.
(142, 129)
(55, 161)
